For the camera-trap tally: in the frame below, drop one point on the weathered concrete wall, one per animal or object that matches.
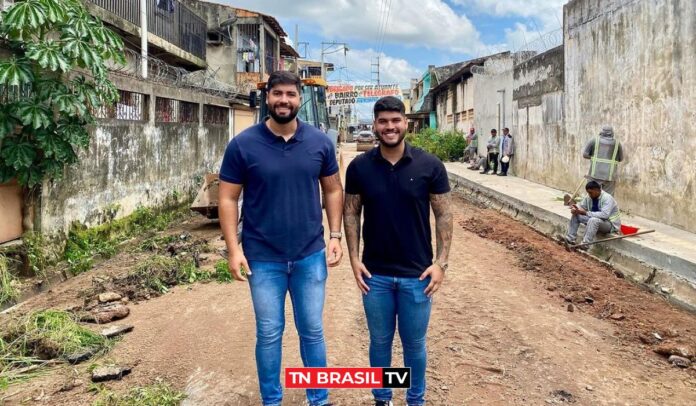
(631, 64)
(493, 98)
(538, 126)
(134, 163)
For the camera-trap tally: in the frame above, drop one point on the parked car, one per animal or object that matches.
(365, 140)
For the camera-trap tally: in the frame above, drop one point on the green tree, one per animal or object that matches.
(50, 86)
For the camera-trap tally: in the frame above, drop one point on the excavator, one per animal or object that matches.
(313, 111)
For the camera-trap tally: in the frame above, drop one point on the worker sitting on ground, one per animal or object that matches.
(598, 211)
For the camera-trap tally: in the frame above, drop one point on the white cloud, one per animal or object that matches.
(523, 8)
(359, 61)
(428, 23)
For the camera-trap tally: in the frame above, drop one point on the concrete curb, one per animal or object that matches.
(658, 271)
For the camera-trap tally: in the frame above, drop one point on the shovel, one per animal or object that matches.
(569, 247)
(568, 199)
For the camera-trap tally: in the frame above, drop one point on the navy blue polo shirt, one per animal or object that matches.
(282, 207)
(396, 206)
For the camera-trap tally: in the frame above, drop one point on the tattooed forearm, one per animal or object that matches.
(443, 225)
(352, 207)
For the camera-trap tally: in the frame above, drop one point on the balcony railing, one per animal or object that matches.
(170, 20)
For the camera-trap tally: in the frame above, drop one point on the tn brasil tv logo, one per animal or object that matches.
(347, 378)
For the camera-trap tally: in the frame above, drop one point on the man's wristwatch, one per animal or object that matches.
(336, 234)
(442, 266)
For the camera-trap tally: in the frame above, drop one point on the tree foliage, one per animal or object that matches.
(54, 80)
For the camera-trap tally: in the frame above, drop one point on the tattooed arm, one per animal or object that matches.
(443, 232)
(333, 199)
(443, 226)
(352, 208)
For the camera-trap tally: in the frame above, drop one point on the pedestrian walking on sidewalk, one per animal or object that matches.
(280, 164)
(493, 147)
(507, 148)
(605, 153)
(396, 185)
(598, 210)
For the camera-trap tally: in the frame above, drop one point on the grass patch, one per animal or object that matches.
(448, 145)
(158, 394)
(9, 285)
(222, 272)
(159, 273)
(39, 254)
(41, 338)
(86, 244)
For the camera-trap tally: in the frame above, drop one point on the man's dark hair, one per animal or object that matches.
(494, 131)
(506, 129)
(593, 185)
(283, 78)
(389, 103)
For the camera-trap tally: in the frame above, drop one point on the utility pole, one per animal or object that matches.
(297, 48)
(143, 39)
(375, 71)
(326, 48)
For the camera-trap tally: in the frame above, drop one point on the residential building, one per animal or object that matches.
(422, 113)
(244, 46)
(176, 33)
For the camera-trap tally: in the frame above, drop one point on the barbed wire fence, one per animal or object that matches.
(544, 42)
(159, 71)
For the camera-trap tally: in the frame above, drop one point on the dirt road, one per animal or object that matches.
(501, 330)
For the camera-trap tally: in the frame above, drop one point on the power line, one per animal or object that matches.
(384, 30)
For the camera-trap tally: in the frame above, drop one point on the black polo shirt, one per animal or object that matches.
(396, 207)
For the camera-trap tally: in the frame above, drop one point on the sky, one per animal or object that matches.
(409, 35)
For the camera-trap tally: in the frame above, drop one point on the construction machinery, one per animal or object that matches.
(313, 111)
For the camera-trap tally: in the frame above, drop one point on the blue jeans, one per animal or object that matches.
(393, 300)
(270, 281)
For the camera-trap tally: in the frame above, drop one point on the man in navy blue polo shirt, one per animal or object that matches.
(280, 164)
(396, 184)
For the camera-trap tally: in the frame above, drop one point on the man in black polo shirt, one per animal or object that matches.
(397, 184)
(280, 164)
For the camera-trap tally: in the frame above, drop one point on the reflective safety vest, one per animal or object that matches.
(604, 167)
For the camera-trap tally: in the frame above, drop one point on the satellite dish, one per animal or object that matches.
(231, 18)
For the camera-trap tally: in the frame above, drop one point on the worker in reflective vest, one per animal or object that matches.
(598, 211)
(605, 153)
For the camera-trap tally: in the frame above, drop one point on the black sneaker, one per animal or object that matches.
(383, 403)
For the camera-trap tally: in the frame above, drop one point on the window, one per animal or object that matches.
(130, 106)
(188, 112)
(216, 115)
(248, 48)
(166, 110)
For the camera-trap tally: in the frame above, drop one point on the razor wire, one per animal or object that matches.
(497, 66)
(159, 71)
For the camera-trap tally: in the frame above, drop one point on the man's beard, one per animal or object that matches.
(391, 145)
(283, 119)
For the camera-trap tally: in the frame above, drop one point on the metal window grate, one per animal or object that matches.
(166, 110)
(248, 48)
(131, 106)
(216, 115)
(170, 20)
(188, 112)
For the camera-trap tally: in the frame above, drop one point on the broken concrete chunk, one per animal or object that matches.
(109, 297)
(81, 356)
(107, 313)
(668, 349)
(681, 362)
(110, 373)
(115, 331)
